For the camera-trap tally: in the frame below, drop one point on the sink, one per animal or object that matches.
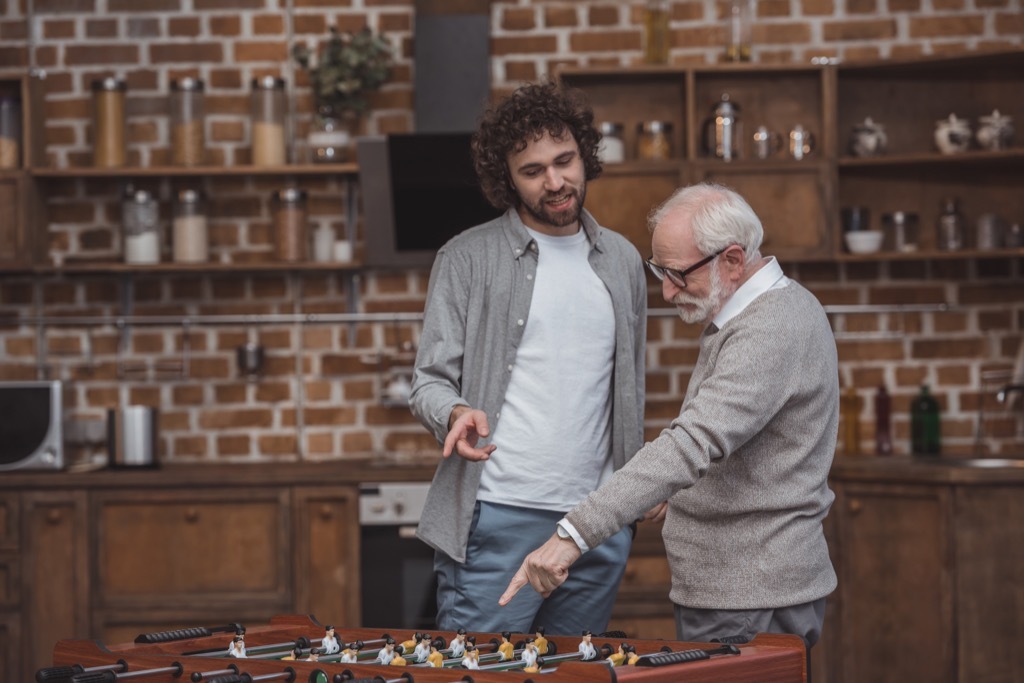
(976, 462)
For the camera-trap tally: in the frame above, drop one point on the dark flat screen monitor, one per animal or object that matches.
(419, 190)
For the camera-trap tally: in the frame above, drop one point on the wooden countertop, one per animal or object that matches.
(928, 470)
(896, 469)
(198, 476)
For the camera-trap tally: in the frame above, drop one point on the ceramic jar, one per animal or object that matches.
(952, 135)
(995, 131)
(868, 139)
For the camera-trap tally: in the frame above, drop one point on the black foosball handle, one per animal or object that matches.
(670, 658)
(58, 674)
(185, 633)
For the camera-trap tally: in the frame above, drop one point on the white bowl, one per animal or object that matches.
(863, 241)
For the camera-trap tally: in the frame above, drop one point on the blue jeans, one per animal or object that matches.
(499, 538)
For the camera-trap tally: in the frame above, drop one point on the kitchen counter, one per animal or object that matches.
(928, 470)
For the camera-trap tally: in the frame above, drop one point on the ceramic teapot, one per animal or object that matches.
(952, 135)
(868, 139)
(995, 131)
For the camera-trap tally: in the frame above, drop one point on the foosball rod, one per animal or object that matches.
(111, 677)
(63, 674)
(288, 675)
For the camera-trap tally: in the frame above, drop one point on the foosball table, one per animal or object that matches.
(294, 649)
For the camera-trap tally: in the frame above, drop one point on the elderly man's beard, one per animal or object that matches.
(702, 310)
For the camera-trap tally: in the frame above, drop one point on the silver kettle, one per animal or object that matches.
(722, 130)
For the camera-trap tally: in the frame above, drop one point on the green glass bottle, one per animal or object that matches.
(925, 426)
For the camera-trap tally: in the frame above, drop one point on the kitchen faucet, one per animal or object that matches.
(1007, 390)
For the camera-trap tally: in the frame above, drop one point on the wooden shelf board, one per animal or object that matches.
(1014, 155)
(166, 268)
(198, 171)
(932, 255)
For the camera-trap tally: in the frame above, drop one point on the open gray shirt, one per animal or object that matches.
(480, 287)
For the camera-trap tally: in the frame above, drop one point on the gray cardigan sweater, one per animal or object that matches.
(744, 465)
(480, 288)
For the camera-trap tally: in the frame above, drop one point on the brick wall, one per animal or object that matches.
(321, 393)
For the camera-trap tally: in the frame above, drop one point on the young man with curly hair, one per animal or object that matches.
(530, 370)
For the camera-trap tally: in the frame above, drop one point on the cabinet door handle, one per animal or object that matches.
(855, 506)
(326, 513)
(53, 517)
(191, 515)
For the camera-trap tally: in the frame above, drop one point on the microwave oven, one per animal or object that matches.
(31, 425)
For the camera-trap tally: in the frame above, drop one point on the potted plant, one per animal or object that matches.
(347, 68)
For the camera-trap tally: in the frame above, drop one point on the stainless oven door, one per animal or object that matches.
(399, 587)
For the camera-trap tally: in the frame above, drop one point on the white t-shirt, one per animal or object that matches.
(553, 433)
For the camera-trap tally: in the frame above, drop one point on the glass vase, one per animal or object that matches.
(330, 137)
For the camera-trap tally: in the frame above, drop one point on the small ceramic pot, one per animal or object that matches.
(868, 139)
(995, 132)
(952, 135)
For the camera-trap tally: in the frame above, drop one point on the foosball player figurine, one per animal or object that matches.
(398, 659)
(409, 645)
(530, 656)
(507, 650)
(422, 650)
(329, 643)
(293, 656)
(471, 660)
(587, 648)
(237, 646)
(631, 655)
(540, 641)
(435, 658)
(314, 655)
(618, 658)
(350, 655)
(458, 645)
(387, 653)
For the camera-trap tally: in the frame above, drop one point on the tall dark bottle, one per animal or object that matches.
(925, 427)
(883, 424)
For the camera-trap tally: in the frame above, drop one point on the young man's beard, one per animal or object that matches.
(559, 219)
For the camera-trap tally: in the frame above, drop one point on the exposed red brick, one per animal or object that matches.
(704, 36)
(948, 5)
(604, 41)
(77, 55)
(183, 27)
(139, 6)
(603, 15)
(773, 8)
(818, 8)
(264, 24)
(225, 25)
(946, 26)
(233, 5)
(262, 51)
(523, 45)
(861, 6)
(45, 7)
(869, 350)
(862, 53)
(234, 444)
(1009, 23)
(693, 10)
(13, 30)
(518, 19)
(58, 28)
(143, 27)
(162, 53)
(394, 22)
(356, 442)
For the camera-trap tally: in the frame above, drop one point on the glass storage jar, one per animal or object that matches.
(290, 222)
(612, 149)
(654, 140)
(190, 232)
(656, 32)
(108, 122)
(268, 111)
(10, 132)
(188, 138)
(140, 222)
(900, 231)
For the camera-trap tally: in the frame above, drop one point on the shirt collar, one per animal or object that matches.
(519, 238)
(769, 276)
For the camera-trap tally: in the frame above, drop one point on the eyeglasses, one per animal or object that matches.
(678, 277)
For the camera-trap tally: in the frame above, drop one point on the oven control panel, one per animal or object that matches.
(391, 504)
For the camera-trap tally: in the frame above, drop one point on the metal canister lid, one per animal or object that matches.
(188, 83)
(290, 195)
(654, 127)
(110, 83)
(189, 196)
(140, 196)
(268, 83)
(611, 129)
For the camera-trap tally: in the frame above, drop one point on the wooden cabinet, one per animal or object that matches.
(912, 176)
(110, 555)
(930, 560)
(793, 197)
(16, 192)
(799, 201)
